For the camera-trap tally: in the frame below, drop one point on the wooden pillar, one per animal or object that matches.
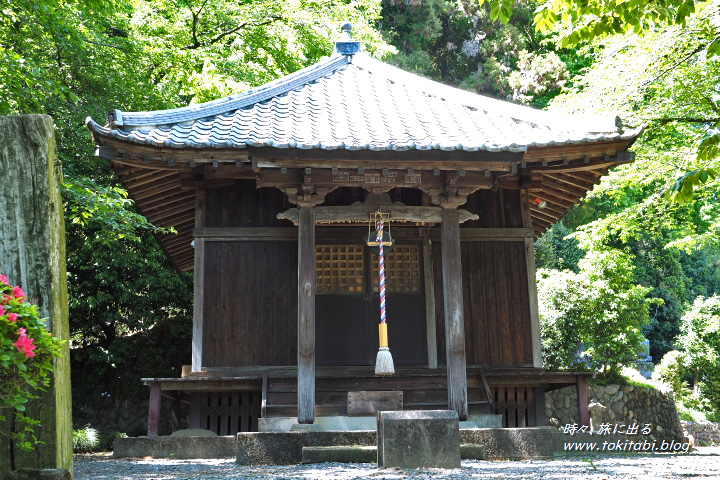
(532, 283)
(454, 315)
(582, 398)
(196, 408)
(175, 413)
(154, 409)
(429, 281)
(199, 278)
(540, 418)
(306, 315)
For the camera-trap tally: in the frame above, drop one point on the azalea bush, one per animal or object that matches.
(27, 350)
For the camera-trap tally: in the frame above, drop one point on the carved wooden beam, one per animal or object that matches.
(361, 213)
(369, 179)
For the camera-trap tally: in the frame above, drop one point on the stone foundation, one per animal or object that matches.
(702, 433)
(621, 406)
(126, 417)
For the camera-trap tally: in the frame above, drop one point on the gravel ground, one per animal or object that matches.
(703, 464)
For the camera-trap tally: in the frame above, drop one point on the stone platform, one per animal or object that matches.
(285, 448)
(345, 423)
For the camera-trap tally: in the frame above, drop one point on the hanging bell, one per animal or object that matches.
(374, 245)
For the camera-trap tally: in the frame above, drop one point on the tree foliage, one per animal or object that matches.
(587, 20)
(460, 44)
(130, 310)
(556, 249)
(699, 340)
(599, 309)
(664, 80)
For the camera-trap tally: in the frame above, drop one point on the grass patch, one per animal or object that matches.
(89, 440)
(85, 440)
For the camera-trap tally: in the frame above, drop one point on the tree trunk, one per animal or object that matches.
(32, 255)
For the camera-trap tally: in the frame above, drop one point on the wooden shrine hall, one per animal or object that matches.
(271, 191)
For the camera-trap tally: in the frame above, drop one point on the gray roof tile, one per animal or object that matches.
(357, 104)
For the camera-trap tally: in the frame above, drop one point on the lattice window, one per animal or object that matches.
(339, 268)
(402, 270)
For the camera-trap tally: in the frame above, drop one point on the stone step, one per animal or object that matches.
(340, 454)
(368, 454)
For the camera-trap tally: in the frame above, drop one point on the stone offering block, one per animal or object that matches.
(419, 438)
(369, 403)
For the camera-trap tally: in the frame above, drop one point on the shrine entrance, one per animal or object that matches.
(348, 305)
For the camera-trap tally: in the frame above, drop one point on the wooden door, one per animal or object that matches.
(348, 305)
(341, 329)
(404, 304)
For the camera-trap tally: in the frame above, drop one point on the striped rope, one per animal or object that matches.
(381, 257)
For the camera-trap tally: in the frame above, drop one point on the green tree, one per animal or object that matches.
(129, 313)
(599, 308)
(459, 44)
(671, 371)
(556, 249)
(664, 80)
(699, 340)
(577, 22)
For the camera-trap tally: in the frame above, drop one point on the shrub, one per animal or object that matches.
(672, 371)
(107, 439)
(27, 351)
(85, 440)
(599, 308)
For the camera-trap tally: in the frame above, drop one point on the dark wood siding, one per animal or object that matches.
(499, 209)
(250, 304)
(244, 205)
(495, 291)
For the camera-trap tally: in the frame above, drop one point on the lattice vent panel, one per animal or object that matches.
(339, 268)
(402, 270)
(227, 413)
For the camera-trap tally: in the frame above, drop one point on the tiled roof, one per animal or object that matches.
(354, 102)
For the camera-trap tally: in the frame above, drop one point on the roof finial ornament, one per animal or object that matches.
(346, 45)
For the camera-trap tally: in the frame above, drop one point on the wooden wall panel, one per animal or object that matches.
(495, 292)
(251, 304)
(499, 209)
(244, 205)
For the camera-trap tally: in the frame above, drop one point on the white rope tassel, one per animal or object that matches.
(384, 362)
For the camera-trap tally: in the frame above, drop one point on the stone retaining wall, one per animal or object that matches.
(127, 417)
(616, 405)
(702, 433)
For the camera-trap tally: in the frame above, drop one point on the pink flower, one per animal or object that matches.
(12, 317)
(2, 311)
(25, 344)
(18, 293)
(4, 280)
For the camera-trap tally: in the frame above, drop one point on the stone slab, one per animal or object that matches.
(472, 451)
(515, 443)
(340, 454)
(193, 432)
(285, 448)
(305, 427)
(39, 474)
(32, 255)
(417, 439)
(333, 423)
(175, 447)
(485, 420)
